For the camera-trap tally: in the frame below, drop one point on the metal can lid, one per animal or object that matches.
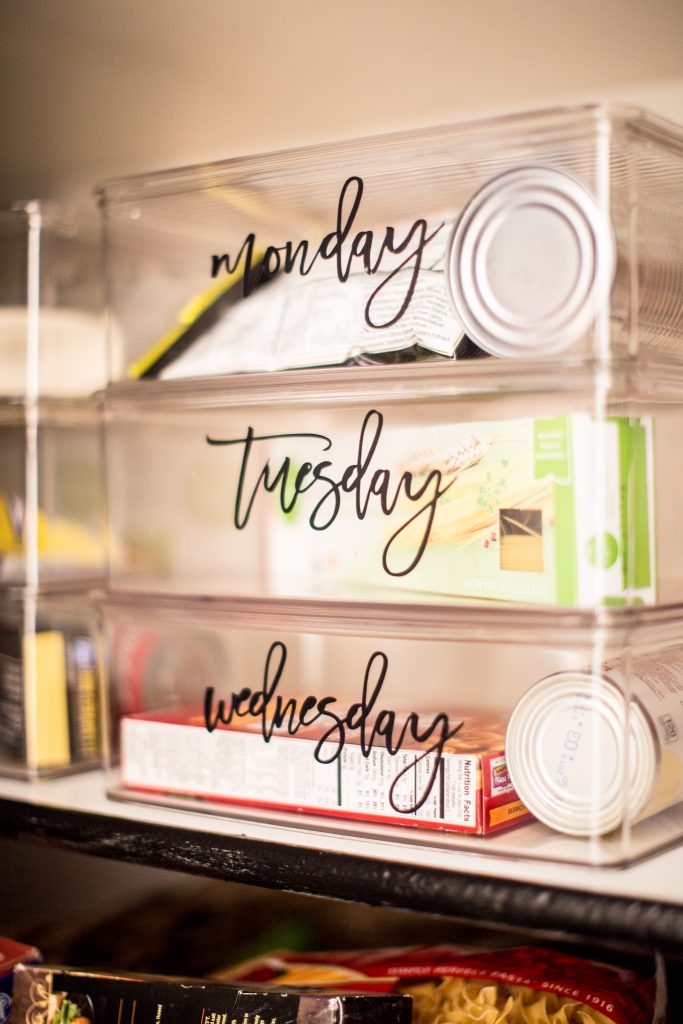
(529, 260)
(566, 753)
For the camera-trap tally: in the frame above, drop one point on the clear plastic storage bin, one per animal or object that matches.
(400, 484)
(52, 332)
(502, 731)
(52, 360)
(423, 580)
(557, 232)
(49, 683)
(51, 493)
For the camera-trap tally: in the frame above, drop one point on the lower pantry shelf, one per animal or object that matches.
(641, 904)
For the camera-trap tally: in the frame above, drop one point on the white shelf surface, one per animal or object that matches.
(657, 879)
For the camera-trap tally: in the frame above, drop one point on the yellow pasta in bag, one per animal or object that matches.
(527, 985)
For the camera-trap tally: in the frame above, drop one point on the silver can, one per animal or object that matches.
(590, 751)
(529, 262)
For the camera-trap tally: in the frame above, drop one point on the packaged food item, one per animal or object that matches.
(318, 756)
(198, 319)
(49, 714)
(11, 954)
(530, 261)
(51, 492)
(51, 995)
(306, 322)
(82, 698)
(556, 510)
(448, 985)
(593, 749)
(308, 325)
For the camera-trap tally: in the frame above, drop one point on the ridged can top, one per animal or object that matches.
(529, 261)
(569, 759)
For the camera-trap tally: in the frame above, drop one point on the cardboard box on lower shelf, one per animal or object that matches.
(56, 995)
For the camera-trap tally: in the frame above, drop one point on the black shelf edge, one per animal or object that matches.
(374, 881)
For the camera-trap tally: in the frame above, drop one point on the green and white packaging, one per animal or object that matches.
(554, 511)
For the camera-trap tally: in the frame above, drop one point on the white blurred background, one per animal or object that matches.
(91, 90)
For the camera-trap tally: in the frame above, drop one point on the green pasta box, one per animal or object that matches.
(554, 511)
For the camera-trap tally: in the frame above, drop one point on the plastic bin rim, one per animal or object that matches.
(558, 625)
(626, 378)
(194, 176)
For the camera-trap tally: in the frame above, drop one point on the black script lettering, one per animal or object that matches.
(385, 725)
(372, 426)
(211, 720)
(291, 254)
(299, 486)
(368, 699)
(331, 492)
(276, 712)
(362, 246)
(246, 250)
(266, 704)
(332, 246)
(270, 265)
(343, 228)
(276, 651)
(241, 516)
(441, 726)
(434, 477)
(357, 715)
(359, 479)
(221, 716)
(421, 227)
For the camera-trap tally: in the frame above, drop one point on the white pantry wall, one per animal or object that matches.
(93, 89)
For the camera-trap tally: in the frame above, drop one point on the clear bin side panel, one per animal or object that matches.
(49, 686)
(70, 515)
(73, 339)
(52, 332)
(558, 235)
(13, 458)
(15, 255)
(516, 748)
(657, 241)
(51, 501)
(530, 499)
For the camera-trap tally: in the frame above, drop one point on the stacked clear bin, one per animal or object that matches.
(52, 551)
(394, 490)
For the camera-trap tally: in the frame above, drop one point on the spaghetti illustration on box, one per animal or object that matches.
(555, 510)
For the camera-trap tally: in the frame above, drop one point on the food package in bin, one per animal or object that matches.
(60, 995)
(526, 985)
(451, 776)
